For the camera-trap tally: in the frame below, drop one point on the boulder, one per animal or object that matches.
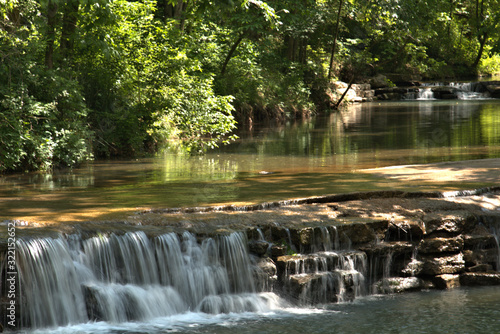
(399, 284)
(413, 268)
(311, 263)
(441, 245)
(258, 247)
(277, 251)
(480, 256)
(314, 288)
(447, 281)
(445, 93)
(393, 247)
(358, 233)
(379, 81)
(481, 268)
(479, 238)
(408, 230)
(449, 223)
(303, 237)
(472, 279)
(451, 264)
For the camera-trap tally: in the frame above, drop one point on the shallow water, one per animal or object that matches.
(475, 310)
(307, 158)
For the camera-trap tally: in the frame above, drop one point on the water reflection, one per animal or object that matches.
(409, 128)
(313, 157)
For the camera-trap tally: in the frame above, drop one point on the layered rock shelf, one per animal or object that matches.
(385, 89)
(306, 252)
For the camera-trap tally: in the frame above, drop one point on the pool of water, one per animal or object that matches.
(474, 310)
(317, 156)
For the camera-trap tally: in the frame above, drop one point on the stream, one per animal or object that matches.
(122, 277)
(272, 162)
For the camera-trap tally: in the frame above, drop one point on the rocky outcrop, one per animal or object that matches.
(384, 88)
(426, 243)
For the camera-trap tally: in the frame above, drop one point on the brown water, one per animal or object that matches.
(314, 157)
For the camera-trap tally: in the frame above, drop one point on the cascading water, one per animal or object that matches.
(120, 278)
(135, 278)
(425, 94)
(50, 282)
(452, 90)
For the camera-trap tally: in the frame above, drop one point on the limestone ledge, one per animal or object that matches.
(411, 240)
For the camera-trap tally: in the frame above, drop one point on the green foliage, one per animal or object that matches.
(490, 65)
(80, 78)
(43, 129)
(42, 113)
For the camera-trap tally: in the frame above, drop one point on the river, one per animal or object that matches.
(317, 156)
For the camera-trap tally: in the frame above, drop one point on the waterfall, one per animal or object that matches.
(49, 279)
(129, 277)
(137, 277)
(324, 277)
(425, 94)
(451, 90)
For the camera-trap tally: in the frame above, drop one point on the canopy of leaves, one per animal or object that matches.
(92, 78)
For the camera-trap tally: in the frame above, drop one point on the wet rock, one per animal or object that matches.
(277, 250)
(300, 264)
(268, 266)
(309, 289)
(399, 284)
(445, 93)
(383, 248)
(413, 268)
(279, 233)
(441, 245)
(494, 90)
(303, 237)
(480, 238)
(388, 258)
(258, 247)
(447, 281)
(265, 275)
(443, 265)
(407, 230)
(254, 234)
(471, 279)
(481, 268)
(480, 256)
(94, 311)
(357, 233)
(451, 223)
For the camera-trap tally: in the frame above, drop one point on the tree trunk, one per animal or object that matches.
(51, 34)
(69, 20)
(343, 95)
(231, 52)
(481, 37)
(303, 50)
(290, 43)
(330, 69)
(482, 41)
